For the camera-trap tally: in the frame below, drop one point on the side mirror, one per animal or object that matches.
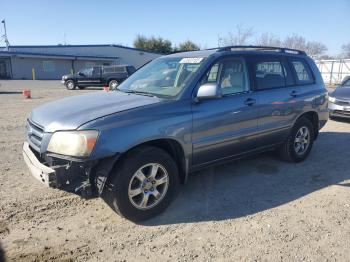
(81, 74)
(208, 91)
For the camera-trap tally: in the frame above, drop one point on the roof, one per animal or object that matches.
(78, 46)
(45, 55)
(241, 50)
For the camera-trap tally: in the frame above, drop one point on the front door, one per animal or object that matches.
(225, 126)
(90, 77)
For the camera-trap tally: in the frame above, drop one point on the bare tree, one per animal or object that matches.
(267, 39)
(241, 36)
(295, 42)
(346, 50)
(315, 49)
(312, 48)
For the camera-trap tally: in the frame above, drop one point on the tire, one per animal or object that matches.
(123, 182)
(289, 150)
(81, 87)
(113, 84)
(70, 85)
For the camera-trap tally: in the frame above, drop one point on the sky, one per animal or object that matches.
(39, 22)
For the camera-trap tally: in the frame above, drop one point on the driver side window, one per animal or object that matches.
(230, 75)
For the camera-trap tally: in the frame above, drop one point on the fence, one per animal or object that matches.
(333, 71)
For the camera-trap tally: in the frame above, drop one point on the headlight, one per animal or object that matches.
(73, 143)
(331, 99)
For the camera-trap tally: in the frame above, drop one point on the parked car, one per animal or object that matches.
(177, 114)
(339, 100)
(110, 76)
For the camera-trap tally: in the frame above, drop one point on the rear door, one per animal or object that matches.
(275, 87)
(225, 126)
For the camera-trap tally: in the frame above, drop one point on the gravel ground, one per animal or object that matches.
(259, 209)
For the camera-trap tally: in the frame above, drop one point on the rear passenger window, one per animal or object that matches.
(269, 74)
(302, 72)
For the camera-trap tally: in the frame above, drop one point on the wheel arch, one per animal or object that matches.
(173, 147)
(313, 117)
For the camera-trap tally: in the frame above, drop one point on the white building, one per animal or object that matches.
(53, 61)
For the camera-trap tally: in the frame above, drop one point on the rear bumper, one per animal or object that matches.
(42, 173)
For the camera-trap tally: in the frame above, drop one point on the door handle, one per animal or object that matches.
(250, 101)
(294, 93)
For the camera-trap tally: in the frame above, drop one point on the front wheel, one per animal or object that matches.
(299, 142)
(113, 84)
(143, 184)
(70, 85)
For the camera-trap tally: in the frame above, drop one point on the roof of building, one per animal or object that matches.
(45, 55)
(93, 45)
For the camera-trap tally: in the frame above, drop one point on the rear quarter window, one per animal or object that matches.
(302, 71)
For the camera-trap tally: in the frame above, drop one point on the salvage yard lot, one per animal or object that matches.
(255, 209)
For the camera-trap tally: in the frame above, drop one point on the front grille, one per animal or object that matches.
(339, 112)
(342, 102)
(35, 135)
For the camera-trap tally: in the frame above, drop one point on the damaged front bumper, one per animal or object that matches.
(66, 175)
(86, 178)
(44, 174)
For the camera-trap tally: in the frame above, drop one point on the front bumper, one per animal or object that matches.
(44, 174)
(339, 110)
(63, 82)
(69, 176)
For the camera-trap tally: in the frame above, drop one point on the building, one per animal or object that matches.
(52, 61)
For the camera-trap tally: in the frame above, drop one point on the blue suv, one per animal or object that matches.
(177, 114)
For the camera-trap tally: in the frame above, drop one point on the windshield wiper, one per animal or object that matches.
(137, 92)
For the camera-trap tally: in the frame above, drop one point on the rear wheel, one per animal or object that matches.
(299, 142)
(143, 184)
(70, 85)
(113, 84)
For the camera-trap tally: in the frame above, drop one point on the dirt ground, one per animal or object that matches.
(259, 209)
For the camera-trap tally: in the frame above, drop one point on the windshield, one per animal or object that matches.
(346, 83)
(164, 77)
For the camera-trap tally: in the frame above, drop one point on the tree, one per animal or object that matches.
(267, 39)
(241, 36)
(295, 42)
(186, 46)
(315, 49)
(312, 48)
(346, 50)
(157, 44)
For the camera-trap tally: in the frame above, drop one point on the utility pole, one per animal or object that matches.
(5, 36)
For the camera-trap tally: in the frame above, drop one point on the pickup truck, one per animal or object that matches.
(110, 76)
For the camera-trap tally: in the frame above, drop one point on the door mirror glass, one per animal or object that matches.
(209, 91)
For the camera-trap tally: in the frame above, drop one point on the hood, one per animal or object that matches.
(341, 93)
(70, 76)
(71, 112)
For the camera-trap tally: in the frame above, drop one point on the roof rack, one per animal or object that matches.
(261, 48)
